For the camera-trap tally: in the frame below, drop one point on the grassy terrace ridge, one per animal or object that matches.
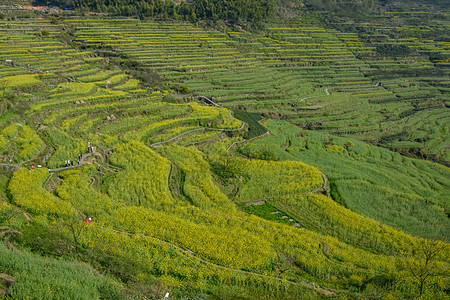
(276, 188)
(362, 177)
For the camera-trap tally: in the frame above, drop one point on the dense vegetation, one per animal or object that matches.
(362, 177)
(286, 163)
(230, 10)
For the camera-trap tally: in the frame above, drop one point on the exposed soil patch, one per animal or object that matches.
(261, 202)
(7, 282)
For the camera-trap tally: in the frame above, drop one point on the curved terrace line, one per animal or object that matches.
(307, 284)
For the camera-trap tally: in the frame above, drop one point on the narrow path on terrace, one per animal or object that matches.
(19, 164)
(267, 133)
(327, 93)
(217, 129)
(198, 129)
(10, 165)
(325, 185)
(307, 284)
(47, 181)
(203, 128)
(71, 167)
(209, 101)
(26, 68)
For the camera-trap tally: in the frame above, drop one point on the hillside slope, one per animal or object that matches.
(109, 157)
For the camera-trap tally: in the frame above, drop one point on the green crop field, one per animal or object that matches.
(303, 158)
(362, 177)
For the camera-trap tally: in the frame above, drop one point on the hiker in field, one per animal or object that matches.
(65, 162)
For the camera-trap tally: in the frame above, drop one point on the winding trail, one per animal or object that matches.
(175, 137)
(327, 93)
(71, 167)
(20, 164)
(47, 181)
(193, 130)
(10, 165)
(325, 186)
(209, 100)
(203, 128)
(93, 180)
(15, 65)
(307, 284)
(267, 133)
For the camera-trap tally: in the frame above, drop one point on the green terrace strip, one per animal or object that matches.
(55, 278)
(350, 166)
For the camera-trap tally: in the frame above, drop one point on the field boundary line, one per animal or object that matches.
(307, 284)
(325, 186)
(327, 93)
(249, 140)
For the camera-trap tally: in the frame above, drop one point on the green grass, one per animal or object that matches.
(268, 212)
(158, 210)
(408, 194)
(252, 120)
(36, 277)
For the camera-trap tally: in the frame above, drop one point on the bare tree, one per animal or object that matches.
(7, 214)
(423, 263)
(75, 227)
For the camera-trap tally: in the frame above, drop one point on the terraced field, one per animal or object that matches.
(318, 78)
(361, 177)
(178, 200)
